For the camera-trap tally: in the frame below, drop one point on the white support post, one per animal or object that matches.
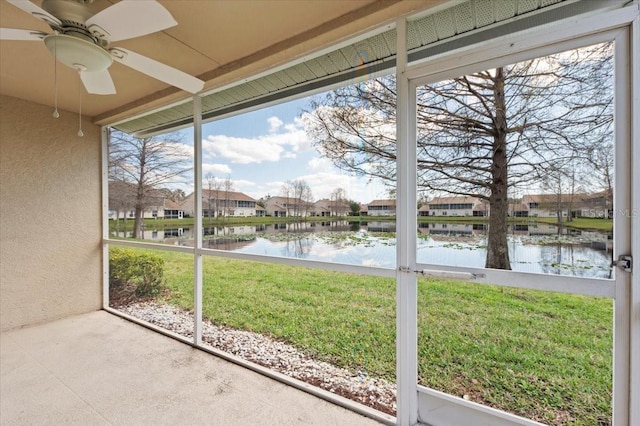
(104, 136)
(634, 408)
(197, 192)
(406, 235)
(622, 231)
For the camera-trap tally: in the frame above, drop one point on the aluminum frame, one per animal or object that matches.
(412, 398)
(436, 408)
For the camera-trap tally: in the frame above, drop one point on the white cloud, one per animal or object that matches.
(242, 150)
(215, 169)
(274, 124)
(257, 190)
(320, 165)
(283, 142)
(324, 178)
(324, 182)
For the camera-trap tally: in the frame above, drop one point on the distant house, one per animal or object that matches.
(276, 206)
(287, 206)
(162, 209)
(327, 207)
(172, 210)
(221, 203)
(455, 206)
(599, 205)
(518, 210)
(322, 208)
(481, 209)
(554, 205)
(122, 200)
(381, 208)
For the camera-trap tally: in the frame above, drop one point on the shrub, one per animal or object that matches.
(132, 272)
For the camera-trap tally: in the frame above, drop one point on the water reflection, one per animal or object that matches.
(533, 247)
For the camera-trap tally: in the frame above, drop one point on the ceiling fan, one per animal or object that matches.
(81, 39)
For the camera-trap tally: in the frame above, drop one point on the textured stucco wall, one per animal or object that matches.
(50, 250)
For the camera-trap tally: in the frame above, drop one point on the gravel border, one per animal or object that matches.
(276, 355)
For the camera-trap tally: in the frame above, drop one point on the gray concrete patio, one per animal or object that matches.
(97, 368)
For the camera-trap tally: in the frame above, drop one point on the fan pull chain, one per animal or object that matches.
(56, 114)
(80, 133)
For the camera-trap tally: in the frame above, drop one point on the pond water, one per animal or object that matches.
(535, 247)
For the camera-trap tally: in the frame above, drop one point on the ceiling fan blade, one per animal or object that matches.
(132, 18)
(157, 70)
(36, 11)
(22, 35)
(98, 82)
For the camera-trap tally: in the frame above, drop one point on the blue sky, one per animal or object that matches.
(263, 149)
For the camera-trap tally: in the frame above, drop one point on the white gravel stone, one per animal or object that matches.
(279, 356)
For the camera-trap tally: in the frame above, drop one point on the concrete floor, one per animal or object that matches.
(97, 369)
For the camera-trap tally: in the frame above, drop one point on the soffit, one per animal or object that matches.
(432, 32)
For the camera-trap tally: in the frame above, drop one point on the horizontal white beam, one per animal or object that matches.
(328, 266)
(544, 282)
(440, 409)
(448, 275)
(151, 246)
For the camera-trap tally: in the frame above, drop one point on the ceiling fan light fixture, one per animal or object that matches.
(77, 53)
(81, 39)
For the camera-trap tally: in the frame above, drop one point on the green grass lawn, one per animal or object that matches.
(581, 223)
(578, 223)
(541, 355)
(227, 221)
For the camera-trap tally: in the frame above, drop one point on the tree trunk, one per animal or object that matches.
(137, 225)
(559, 206)
(497, 248)
(139, 210)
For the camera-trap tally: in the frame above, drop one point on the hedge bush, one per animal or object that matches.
(139, 273)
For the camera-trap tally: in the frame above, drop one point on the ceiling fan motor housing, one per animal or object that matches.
(68, 10)
(73, 45)
(77, 53)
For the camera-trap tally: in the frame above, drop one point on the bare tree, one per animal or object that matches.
(302, 197)
(145, 165)
(602, 161)
(306, 197)
(337, 201)
(287, 193)
(557, 200)
(121, 198)
(479, 134)
(227, 185)
(214, 185)
(298, 196)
